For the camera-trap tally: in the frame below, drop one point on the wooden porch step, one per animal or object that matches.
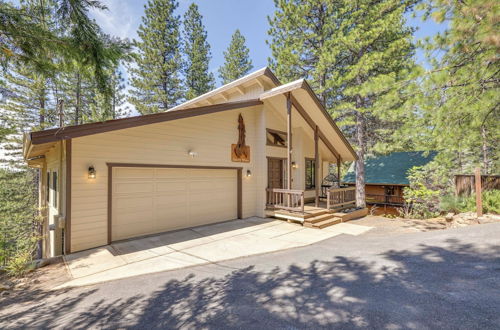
(323, 224)
(319, 218)
(299, 216)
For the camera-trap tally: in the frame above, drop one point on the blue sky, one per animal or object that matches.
(221, 19)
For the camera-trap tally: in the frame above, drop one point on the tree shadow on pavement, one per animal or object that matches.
(454, 286)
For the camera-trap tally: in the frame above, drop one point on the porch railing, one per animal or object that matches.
(340, 197)
(285, 199)
(384, 199)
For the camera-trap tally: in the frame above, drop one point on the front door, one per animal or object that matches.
(275, 173)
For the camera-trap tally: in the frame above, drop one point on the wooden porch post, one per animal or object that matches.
(316, 166)
(339, 161)
(289, 140)
(479, 201)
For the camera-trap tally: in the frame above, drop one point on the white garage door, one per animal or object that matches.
(154, 200)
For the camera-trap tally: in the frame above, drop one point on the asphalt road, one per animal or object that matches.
(446, 279)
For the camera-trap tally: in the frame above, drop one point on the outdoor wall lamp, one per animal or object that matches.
(249, 173)
(192, 154)
(91, 172)
(294, 165)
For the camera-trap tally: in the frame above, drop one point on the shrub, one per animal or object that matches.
(427, 185)
(455, 204)
(19, 220)
(491, 201)
(459, 204)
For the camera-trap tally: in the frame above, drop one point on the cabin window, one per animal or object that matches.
(54, 189)
(276, 138)
(390, 190)
(310, 173)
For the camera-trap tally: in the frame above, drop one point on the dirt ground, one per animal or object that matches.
(42, 279)
(386, 226)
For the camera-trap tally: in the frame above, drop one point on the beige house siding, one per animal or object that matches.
(210, 136)
(55, 161)
(302, 145)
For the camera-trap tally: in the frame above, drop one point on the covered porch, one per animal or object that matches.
(286, 199)
(338, 206)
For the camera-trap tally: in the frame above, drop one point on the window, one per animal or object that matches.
(310, 173)
(47, 192)
(275, 138)
(54, 189)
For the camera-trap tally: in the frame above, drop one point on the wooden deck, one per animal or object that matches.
(316, 217)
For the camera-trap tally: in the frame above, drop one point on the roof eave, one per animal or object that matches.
(68, 132)
(304, 85)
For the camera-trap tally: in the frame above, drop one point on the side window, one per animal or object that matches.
(54, 189)
(47, 188)
(310, 174)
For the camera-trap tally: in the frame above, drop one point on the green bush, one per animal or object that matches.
(458, 204)
(455, 204)
(491, 201)
(19, 219)
(427, 185)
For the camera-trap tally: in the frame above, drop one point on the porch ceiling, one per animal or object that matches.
(302, 93)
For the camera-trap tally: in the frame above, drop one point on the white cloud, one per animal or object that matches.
(121, 19)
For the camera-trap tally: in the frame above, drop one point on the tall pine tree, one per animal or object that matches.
(460, 96)
(155, 77)
(198, 80)
(355, 53)
(237, 59)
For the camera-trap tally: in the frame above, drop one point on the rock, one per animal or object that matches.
(4, 287)
(39, 263)
(449, 217)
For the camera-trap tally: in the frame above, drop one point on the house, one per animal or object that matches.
(387, 175)
(224, 155)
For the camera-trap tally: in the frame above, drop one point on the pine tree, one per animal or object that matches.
(76, 87)
(155, 78)
(113, 106)
(355, 53)
(237, 60)
(29, 107)
(31, 34)
(198, 80)
(299, 31)
(460, 94)
(118, 106)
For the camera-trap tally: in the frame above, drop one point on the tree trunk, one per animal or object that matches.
(360, 163)
(113, 105)
(42, 112)
(78, 96)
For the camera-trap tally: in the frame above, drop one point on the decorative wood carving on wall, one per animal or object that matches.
(240, 152)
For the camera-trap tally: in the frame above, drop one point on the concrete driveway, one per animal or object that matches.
(194, 246)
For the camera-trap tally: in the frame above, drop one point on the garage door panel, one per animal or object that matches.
(127, 203)
(201, 217)
(171, 173)
(132, 187)
(153, 200)
(209, 186)
(195, 174)
(133, 173)
(134, 230)
(174, 186)
(221, 196)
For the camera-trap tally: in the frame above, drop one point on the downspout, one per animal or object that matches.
(60, 182)
(59, 197)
